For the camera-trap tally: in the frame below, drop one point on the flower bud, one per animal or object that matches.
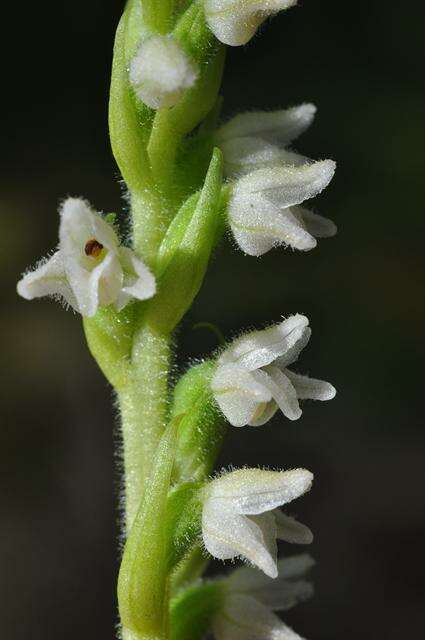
(161, 71)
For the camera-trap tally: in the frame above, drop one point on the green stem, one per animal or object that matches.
(143, 406)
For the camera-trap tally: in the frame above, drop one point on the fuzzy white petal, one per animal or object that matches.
(99, 287)
(259, 348)
(280, 594)
(264, 413)
(294, 566)
(292, 353)
(246, 154)
(139, 282)
(259, 225)
(227, 535)
(290, 530)
(161, 71)
(281, 126)
(245, 618)
(237, 393)
(311, 388)
(282, 390)
(234, 22)
(286, 186)
(48, 279)
(255, 491)
(79, 224)
(318, 226)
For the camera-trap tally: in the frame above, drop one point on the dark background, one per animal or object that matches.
(362, 65)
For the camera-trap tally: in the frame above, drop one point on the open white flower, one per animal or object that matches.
(90, 269)
(240, 515)
(256, 140)
(263, 210)
(251, 598)
(234, 22)
(161, 71)
(252, 379)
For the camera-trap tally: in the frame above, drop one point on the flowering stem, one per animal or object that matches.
(143, 406)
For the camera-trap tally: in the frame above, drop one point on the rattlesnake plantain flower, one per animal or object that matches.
(263, 211)
(161, 71)
(234, 22)
(240, 515)
(251, 599)
(257, 139)
(90, 269)
(252, 379)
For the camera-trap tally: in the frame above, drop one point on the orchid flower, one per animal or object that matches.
(252, 379)
(90, 269)
(241, 515)
(252, 598)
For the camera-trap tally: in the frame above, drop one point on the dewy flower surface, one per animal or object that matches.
(161, 71)
(90, 269)
(234, 22)
(251, 599)
(252, 379)
(240, 515)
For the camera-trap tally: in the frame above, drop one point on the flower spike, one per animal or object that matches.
(90, 269)
(240, 513)
(252, 379)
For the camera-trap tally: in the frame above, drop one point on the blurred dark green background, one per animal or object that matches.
(362, 64)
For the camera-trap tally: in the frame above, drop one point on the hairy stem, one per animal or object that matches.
(143, 406)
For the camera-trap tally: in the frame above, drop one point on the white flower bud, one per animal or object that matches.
(234, 22)
(161, 71)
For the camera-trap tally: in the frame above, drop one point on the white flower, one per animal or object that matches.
(249, 140)
(240, 515)
(263, 210)
(161, 71)
(90, 269)
(273, 181)
(252, 380)
(234, 22)
(251, 598)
